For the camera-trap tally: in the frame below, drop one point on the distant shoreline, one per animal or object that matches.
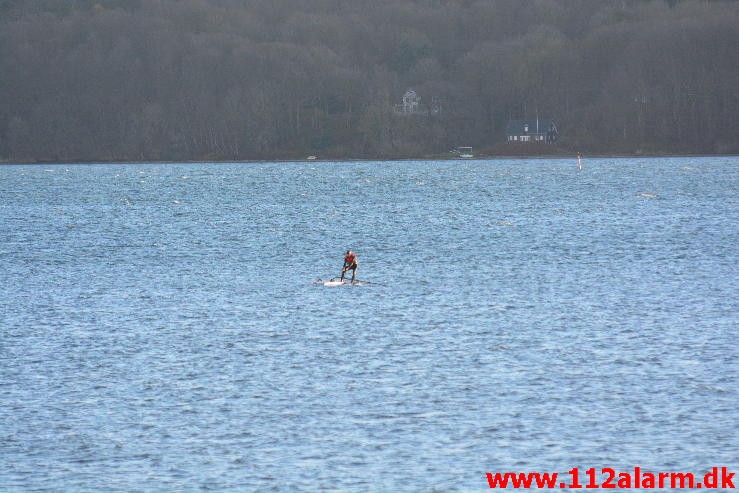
(356, 160)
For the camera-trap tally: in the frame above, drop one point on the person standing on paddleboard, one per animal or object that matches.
(350, 263)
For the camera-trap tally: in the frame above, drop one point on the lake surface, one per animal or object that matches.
(160, 329)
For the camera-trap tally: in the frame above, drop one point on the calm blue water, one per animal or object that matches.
(160, 330)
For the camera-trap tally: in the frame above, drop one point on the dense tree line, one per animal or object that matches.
(250, 79)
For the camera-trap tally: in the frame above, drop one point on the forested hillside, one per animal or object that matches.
(86, 80)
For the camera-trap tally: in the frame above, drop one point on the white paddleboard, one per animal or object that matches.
(339, 282)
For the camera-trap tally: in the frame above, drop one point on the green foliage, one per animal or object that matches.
(245, 79)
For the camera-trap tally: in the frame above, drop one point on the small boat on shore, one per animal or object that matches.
(465, 152)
